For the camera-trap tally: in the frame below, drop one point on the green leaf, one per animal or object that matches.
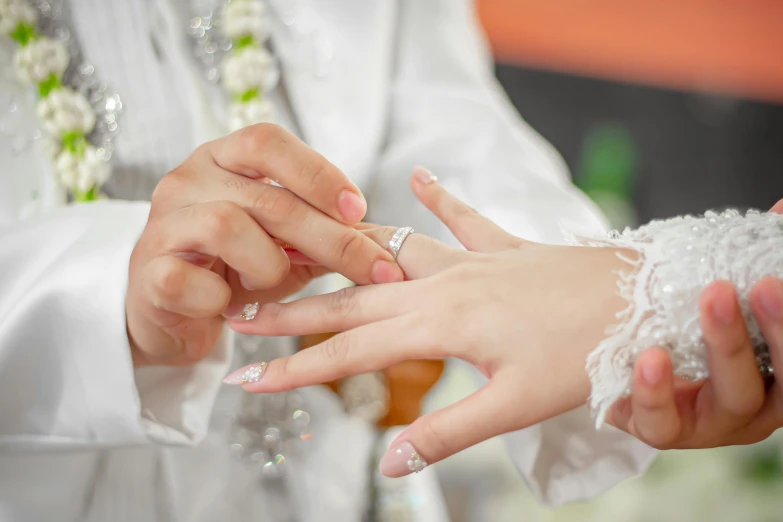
(75, 142)
(248, 95)
(84, 197)
(608, 162)
(48, 85)
(245, 41)
(24, 34)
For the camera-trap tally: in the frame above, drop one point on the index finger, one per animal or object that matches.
(270, 151)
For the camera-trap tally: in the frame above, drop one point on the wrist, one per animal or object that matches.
(599, 305)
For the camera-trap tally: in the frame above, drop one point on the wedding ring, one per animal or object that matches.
(399, 237)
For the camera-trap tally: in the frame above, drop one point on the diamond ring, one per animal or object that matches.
(399, 237)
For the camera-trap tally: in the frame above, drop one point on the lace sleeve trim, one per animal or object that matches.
(678, 258)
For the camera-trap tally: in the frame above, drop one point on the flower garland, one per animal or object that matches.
(250, 70)
(238, 60)
(64, 114)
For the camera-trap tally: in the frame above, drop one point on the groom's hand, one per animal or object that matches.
(217, 235)
(733, 406)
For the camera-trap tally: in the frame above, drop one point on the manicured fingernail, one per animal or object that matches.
(248, 374)
(724, 309)
(386, 272)
(652, 374)
(402, 459)
(351, 206)
(424, 176)
(241, 312)
(772, 300)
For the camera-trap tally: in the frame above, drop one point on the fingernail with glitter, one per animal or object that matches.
(248, 374)
(246, 313)
(402, 459)
(424, 176)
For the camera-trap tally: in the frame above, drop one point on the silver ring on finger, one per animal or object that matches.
(399, 237)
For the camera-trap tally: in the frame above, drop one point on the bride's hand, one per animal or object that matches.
(733, 406)
(525, 314)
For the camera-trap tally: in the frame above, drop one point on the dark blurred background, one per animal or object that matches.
(659, 108)
(686, 152)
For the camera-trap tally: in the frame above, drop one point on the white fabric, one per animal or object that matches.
(407, 82)
(678, 258)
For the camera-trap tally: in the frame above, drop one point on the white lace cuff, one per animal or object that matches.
(678, 258)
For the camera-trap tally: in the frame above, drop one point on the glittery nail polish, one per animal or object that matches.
(248, 374)
(402, 459)
(248, 312)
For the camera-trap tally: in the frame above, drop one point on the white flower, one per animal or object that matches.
(245, 18)
(80, 174)
(65, 110)
(15, 12)
(39, 59)
(241, 114)
(250, 68)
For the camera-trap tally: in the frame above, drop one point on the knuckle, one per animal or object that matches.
(220, 219)
(347, 246)
(336, 349)
(342, 302)
(515, 242)
(270, 319)
(437, 444)
(168, 185)
(280, 368)
(316, 174)
(464, 212)
(168, 280)
(275, 204)
(252, 138)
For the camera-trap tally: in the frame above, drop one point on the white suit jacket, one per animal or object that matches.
(409, 82)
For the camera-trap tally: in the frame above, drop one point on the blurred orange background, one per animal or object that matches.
(726, 46)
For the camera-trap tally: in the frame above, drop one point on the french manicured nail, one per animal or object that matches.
(772, 300)
(724, 309)
(248, 374)
(352, 206)
(402, 459)
(424, 176)
(241, 312)
(386, 272)
(652, 374)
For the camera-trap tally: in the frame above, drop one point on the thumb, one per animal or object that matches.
(474, 231)
(434, 437)
(778, 208)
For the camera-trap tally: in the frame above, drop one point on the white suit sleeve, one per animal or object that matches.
(449, 114)
(66, 376)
